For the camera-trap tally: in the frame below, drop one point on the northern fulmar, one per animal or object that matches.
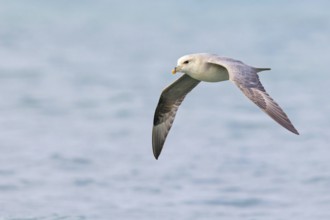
(211, 68)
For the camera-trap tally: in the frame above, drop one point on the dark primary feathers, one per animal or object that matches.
(167, 107)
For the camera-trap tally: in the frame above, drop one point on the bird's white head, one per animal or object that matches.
(200, 67)
(186, 64)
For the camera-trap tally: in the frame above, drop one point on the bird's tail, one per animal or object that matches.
(261, 69)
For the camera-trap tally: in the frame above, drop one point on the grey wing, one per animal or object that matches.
(251, 86)
(168, 104)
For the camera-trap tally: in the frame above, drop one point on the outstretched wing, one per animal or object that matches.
(247, 79)
(168, 104)
(249, 83)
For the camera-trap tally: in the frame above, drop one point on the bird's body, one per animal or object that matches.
(211, 68)
(204, 71)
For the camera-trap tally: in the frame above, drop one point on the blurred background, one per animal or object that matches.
(79, 83)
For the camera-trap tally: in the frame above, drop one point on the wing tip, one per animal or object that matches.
(156, 156)
(156, 152)
(287, 124)
(294, 130)
(157, 144)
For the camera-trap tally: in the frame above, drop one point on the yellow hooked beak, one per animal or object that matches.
(174, 70)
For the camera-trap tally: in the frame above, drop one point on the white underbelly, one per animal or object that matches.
(212, 73)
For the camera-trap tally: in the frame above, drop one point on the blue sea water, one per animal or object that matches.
(79, 83)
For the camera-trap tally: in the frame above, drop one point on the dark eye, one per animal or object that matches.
(186, 62)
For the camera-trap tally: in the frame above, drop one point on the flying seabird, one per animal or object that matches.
(211, 68)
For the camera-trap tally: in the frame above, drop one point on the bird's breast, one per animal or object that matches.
(211, 73)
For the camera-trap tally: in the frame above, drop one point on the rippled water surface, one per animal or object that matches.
(79, 83)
